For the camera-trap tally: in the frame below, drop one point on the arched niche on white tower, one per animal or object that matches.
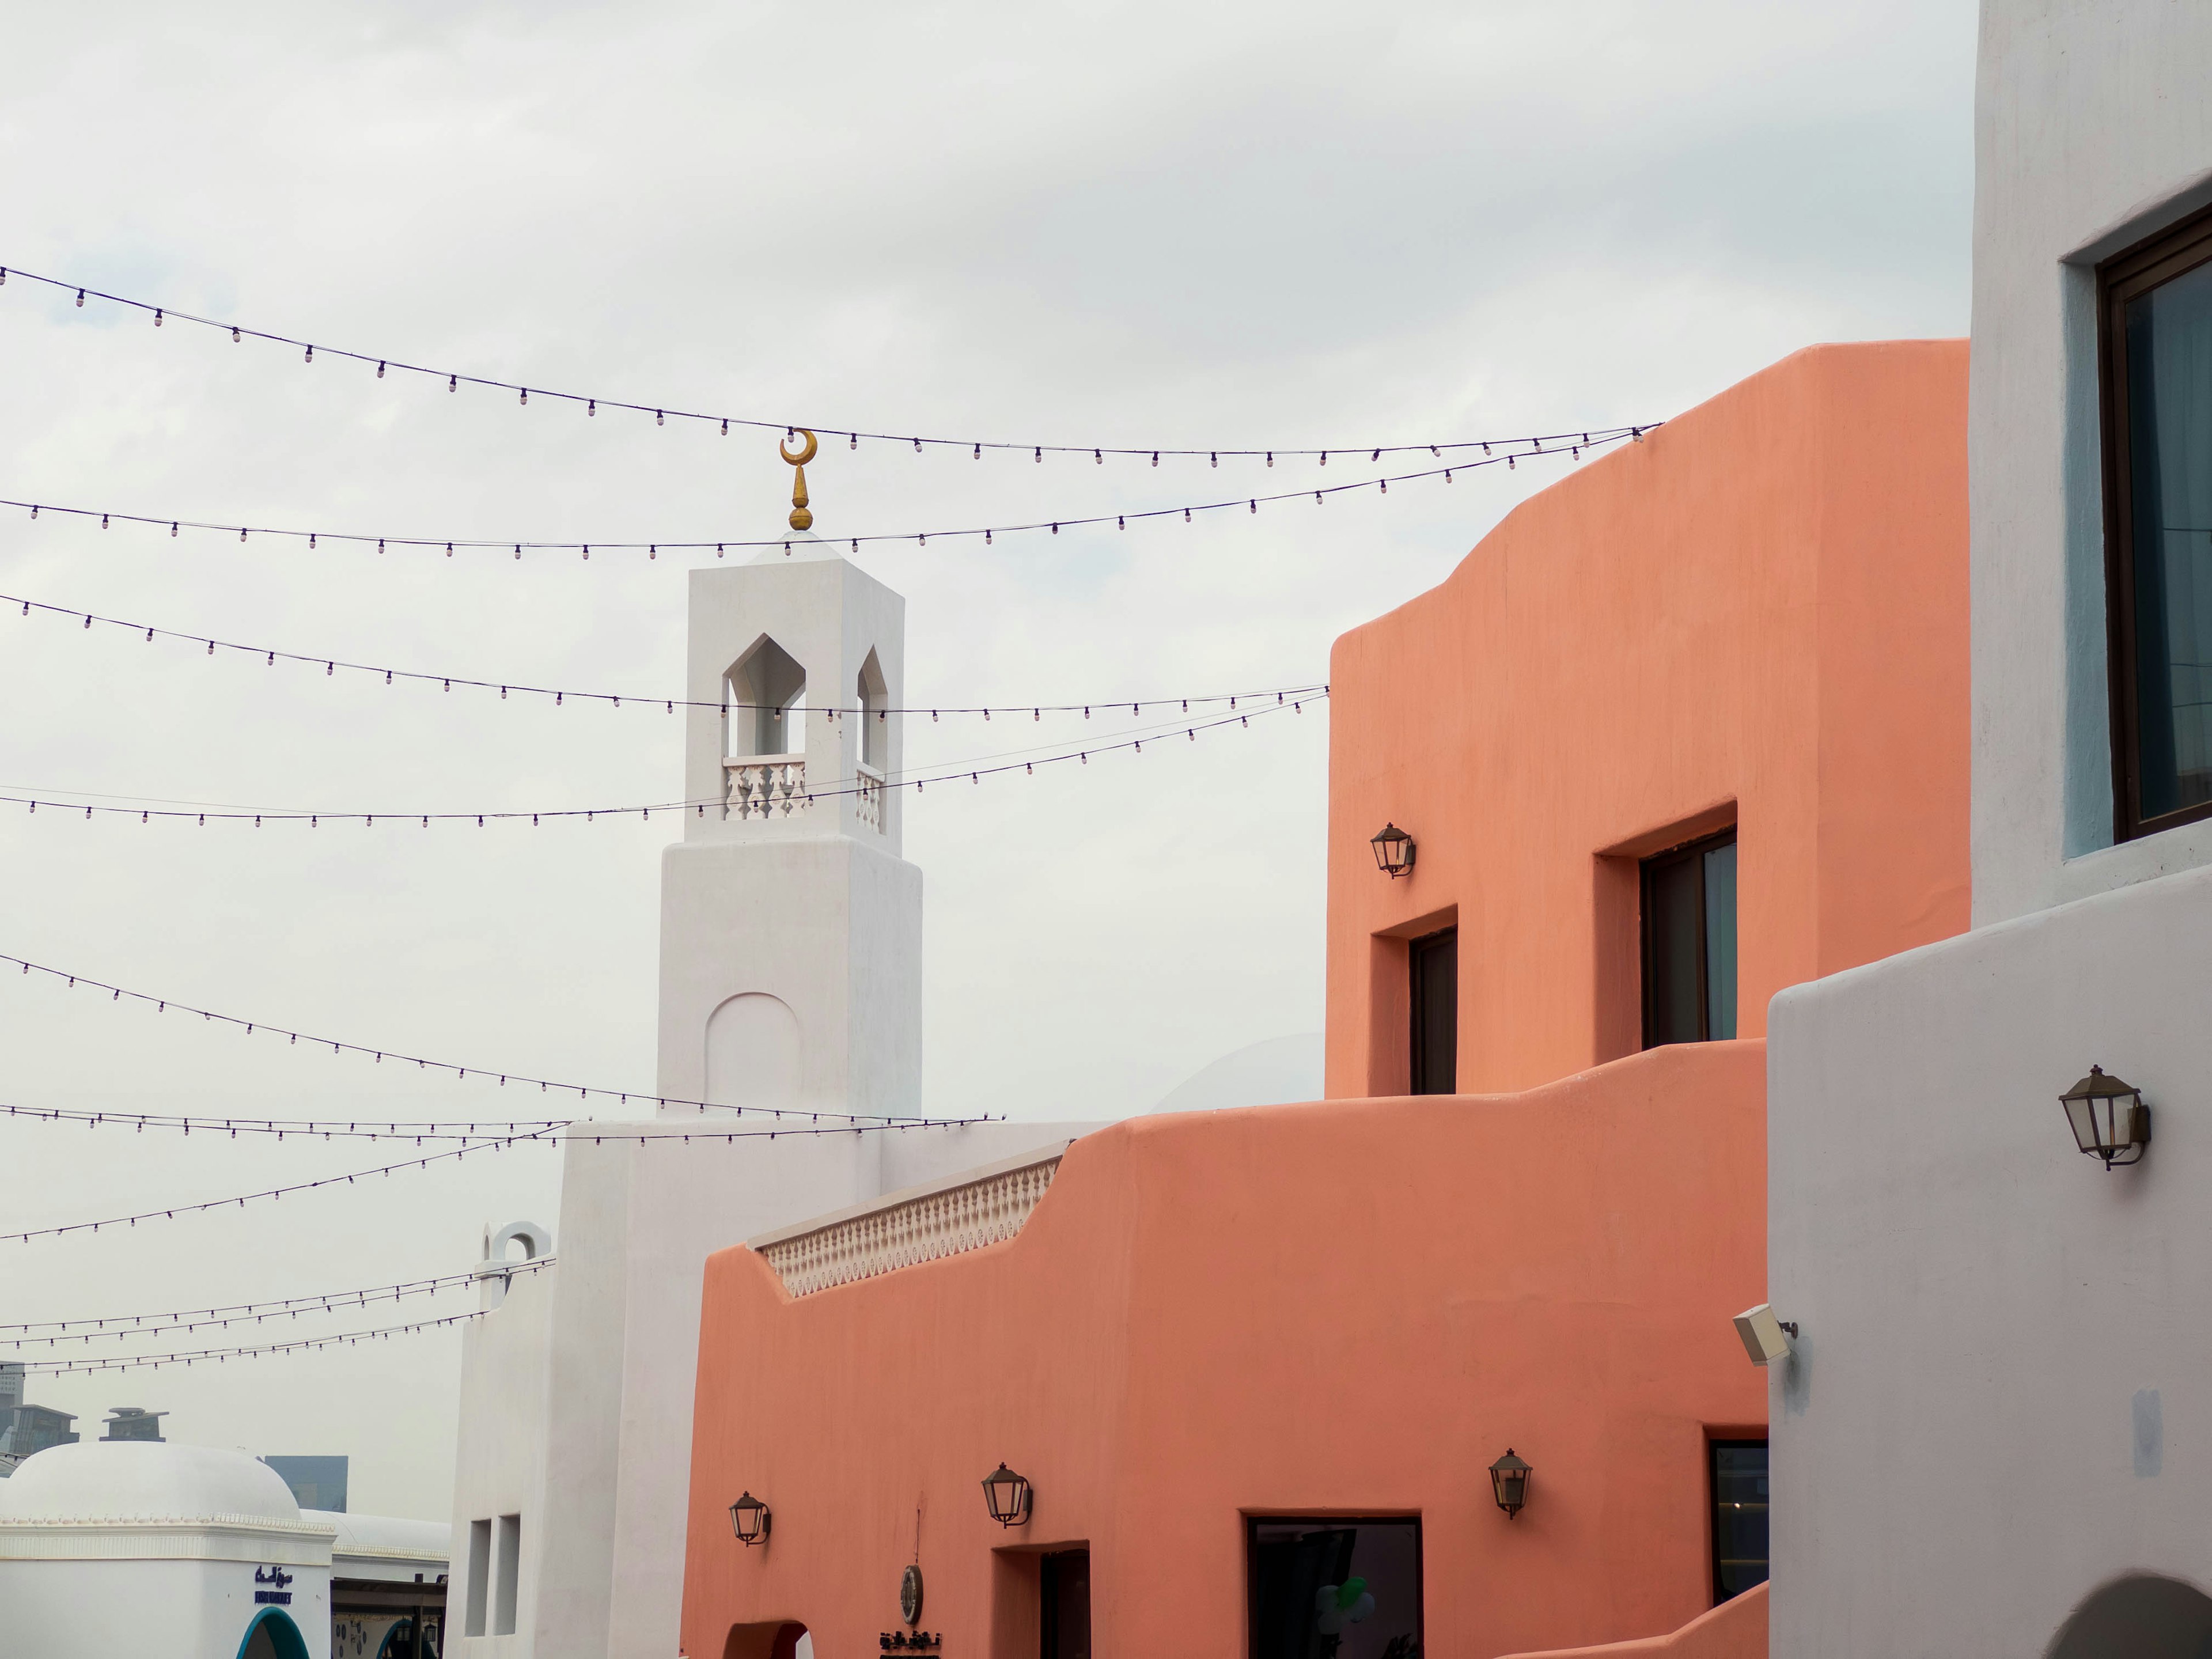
(764, 703)
(752, 1052)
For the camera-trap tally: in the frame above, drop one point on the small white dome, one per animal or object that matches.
(1280, 1071)
(145, 1480)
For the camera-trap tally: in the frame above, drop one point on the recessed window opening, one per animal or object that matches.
(1334, 1589)
(1432, 961)
(764, 704)
(509, 1575)
(2155, 347)
(1738, 1469)
(872, 701)
(1689, 943)
(479, 1571)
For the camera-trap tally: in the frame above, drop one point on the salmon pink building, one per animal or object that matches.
(1443, 1363)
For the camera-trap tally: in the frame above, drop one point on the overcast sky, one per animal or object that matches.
(1239, 224)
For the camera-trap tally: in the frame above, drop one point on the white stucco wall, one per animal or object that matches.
(500, 1462)
(1985, 1314)
(2092, 132)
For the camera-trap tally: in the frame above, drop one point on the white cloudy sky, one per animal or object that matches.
(1238, 224)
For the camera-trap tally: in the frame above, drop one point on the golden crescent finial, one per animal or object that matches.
(800, 518)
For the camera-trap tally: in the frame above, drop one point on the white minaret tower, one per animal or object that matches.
(790, 978)
(790, 926)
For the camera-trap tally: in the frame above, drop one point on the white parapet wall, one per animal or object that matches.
(946, 1217)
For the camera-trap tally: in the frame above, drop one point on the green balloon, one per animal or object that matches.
(1353, 1590)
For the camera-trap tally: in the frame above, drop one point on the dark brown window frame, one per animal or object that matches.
(1681, 853)
(2148, 264)
(1715, 1443)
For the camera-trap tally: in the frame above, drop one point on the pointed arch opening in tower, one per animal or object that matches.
(873, 700)
(764, 704)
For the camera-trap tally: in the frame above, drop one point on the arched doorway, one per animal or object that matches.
(2141, 1616)
(272, 1635)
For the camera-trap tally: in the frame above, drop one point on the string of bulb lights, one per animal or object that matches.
(466, 1131)
(987, 534)
(663, 413)
(561, 696)
(121, 1326)
(600, 1135)
(516, 1130)
(198, 1356)
(807, 795)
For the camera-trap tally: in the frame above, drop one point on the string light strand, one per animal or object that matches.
(272, 655)
(121, 1326)
(598, 1136)
(663, 413)
(201, 1355)
(521, 1131)
(314, 538)
(800, 795)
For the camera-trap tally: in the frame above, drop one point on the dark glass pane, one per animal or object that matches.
(1673, 958)
(1434, 962)
(1066, 1623)
(1336, 1590)
(2169, 374)
(1720, 942)
(1739, 1517)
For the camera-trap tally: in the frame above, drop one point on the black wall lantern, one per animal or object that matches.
(1509, 1480)
(749, 1519)
(2108, 1118)
(1393, 852)
(1008, 1496)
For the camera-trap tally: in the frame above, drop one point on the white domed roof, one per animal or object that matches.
(145, 1480)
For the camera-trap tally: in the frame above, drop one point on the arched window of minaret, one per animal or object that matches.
(875, 736)
(764, 704)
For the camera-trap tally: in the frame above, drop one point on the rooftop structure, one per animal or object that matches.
(133, 1423)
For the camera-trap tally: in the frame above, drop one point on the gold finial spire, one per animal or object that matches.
(800, 518)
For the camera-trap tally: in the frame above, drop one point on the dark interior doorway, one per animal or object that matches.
(1433, 963)
(1065, 1610)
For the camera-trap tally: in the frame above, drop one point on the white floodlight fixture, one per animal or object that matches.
(1765, 1338)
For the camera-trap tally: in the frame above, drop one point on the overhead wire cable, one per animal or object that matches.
(987, 533)
(664, 412)
(521, 1130)
(598, 1135)
(330, 665)
(25, 1333)
(201, 1355)
(798, 795)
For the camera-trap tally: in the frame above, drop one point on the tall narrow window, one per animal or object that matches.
(1689, 943)
(1433, 963)
(874, 739)
(479, 1580)
(509, 1568)
(1065, 1626)
(2157, 346)
(1738, 1488)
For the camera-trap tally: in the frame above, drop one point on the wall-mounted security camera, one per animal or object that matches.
(1765, 1338)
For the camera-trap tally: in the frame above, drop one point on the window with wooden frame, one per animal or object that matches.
(2154, 346)
(1689, 942)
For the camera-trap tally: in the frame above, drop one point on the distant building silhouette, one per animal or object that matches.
(133, 1423)
(317, 1483)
